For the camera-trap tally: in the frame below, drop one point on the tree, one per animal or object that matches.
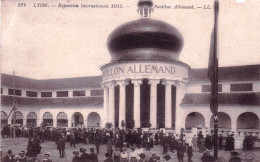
(109, 125)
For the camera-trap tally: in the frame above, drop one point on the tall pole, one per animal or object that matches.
(215, 84)
(14, 103)
(213, 76)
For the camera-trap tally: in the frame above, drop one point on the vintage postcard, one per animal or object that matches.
(130, 80)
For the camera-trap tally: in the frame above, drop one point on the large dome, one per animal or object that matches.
(145, 39)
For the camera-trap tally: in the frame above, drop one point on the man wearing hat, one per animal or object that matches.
(180, 151)
(142, 157)
(234, 157)
(108, 158)
(61, 147)
(93, 157)
(76, 157)
(9, 157)
(16, 158)
(84, 156)
(22, 157)
(167, 158)
(153, 158)
(47, 157)
(207, 157)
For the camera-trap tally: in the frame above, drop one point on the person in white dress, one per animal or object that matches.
(124, 156)
(139, 151)
(133, 155)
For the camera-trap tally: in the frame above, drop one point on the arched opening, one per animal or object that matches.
(194, 120)
(18, 118)
(248, 120)
(31, 119)
(224, 121)
(47, 119)
(93, 120)
(3, 118)
(77, 119)
(62, 120)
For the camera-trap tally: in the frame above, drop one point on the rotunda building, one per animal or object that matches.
(145, 82)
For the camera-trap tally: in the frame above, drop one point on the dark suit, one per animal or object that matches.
(7, 159)
(234, 159)
(76, 159)
(93, 157)
(85, 157)
(61, 146)
(108, 160)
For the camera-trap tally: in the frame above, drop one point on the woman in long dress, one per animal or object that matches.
(116, 155)
(133, 155)
(202, 145)
(124, 156)
(109, 147)
(139, 151)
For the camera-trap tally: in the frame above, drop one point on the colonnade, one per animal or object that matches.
(109, 101)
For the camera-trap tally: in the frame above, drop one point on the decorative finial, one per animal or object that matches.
(145, 8)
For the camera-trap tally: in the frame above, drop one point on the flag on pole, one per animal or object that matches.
(213, 76)
(213, 63)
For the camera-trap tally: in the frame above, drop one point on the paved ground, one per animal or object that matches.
(21, 144)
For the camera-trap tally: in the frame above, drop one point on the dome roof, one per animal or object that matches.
(145, 39)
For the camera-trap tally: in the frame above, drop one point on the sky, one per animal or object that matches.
(45, 43)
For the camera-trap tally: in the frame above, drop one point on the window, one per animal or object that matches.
(96, 92)
(18, 118)
(241, 87)
(17, 92)
(31, 94)
(62, 93)
(1, 90)
(207, 88)
(31, 119)
(46, 94)
(62, 120)
(79, 93)
(47, 119)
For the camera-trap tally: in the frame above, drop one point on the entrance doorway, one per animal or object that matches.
(77, 119)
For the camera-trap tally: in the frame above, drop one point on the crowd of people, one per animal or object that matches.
(118, 143)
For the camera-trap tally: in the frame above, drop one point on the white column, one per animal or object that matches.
(39, 118)
(111, 101)
(9, 121)
(24, 121)
(105, 106)
(54, 120)
(153, 102)
(233, 126)
(122, 100)
(168, 103)
(137, 112)
(179, 119)
(207, 124)
(69, 120)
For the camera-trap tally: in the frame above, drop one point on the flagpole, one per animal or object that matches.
(215, 80)
(14, 104)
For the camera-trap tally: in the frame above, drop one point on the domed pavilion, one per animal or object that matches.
(144, 81)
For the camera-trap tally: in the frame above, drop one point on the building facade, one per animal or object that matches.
(144, 85)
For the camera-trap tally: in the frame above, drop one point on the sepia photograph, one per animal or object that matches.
(130, 81)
